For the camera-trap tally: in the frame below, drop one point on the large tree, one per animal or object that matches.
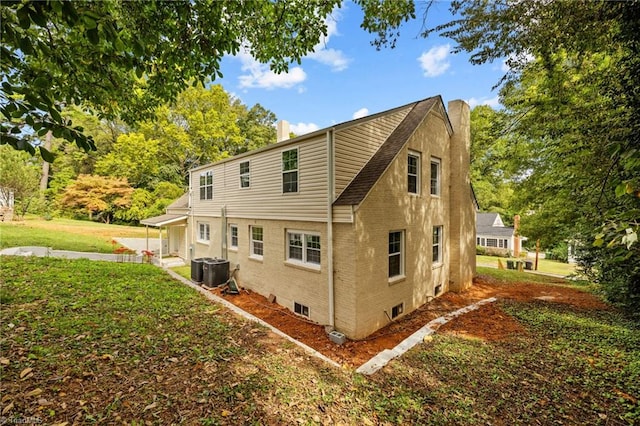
(125, 58)
(574, 97)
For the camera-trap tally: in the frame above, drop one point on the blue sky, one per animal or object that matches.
(347, 78)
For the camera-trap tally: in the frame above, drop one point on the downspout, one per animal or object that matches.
(223, 233)
(330, 197)
(191, 225)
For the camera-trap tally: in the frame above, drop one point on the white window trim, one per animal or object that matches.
(253, 255)
(283, 171)
(304, 262)
(243, 174)
(435, 160)
(418, 156)
(401, 276)
(200, 186)
(231, 246)
(302, 306)
(438, 262)
(199, 238)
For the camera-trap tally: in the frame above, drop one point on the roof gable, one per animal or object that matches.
(360, 186)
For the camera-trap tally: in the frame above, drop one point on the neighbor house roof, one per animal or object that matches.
(360, 186)
(484, 226)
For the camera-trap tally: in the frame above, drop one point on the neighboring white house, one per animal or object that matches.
(351, 226)
(495, 237)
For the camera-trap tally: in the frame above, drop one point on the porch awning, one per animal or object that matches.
(164, 220)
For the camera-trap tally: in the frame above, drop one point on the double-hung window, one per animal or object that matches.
(413, 172)
(437, 245)
(396, 253)
(257, 241)
(206, 185)
(435, 176)
(303, 248)
(233, 235)
(290, 170)
(245, 174)
(204, 232)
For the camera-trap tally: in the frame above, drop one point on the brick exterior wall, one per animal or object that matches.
(389, 207)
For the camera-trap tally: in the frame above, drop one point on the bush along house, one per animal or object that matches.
(351, 226)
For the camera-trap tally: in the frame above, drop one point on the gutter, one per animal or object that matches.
(330, 198)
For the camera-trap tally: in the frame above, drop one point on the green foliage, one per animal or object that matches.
(19, 175)
(572, 99)
(200, 127)
(124, 58)
(133, 157)
(493, 165)
(256, 126)
(146, 204)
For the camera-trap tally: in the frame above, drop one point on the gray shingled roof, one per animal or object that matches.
(180, 203)
(360, 186)
(484, 226)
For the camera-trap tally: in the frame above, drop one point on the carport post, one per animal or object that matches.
(147, 226)
(160, 238)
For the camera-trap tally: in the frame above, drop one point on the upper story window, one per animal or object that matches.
(257, 241)
(303, 247)
(245, 174)
(396, 253)
(437, 244)
(204, 232)
(290, 170)
(413, 172)
(206, 185)
(435, 176)
(233, 235)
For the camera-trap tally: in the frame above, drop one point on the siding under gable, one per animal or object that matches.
(354, 146)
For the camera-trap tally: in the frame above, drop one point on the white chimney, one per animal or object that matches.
(282, 129)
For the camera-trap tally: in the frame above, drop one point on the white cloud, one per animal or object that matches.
(362, 112)
(492, 102)
(434, 62)
(303, 128)
(336, 59)
(331, 57)
(260, 76)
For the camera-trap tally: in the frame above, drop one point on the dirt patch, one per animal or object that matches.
(487, 323)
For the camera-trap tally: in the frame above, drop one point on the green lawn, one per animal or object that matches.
(544, 265)
(112, 343)
(67, 234)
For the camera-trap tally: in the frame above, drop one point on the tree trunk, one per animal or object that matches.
(44, 180)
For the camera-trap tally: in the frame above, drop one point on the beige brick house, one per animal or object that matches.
(351, 226)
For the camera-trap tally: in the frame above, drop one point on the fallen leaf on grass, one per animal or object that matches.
(4, 361)
(107, 356)
(25, 372)
(8, 408)
(151, 406)
(43, 401)
(35, 392)
(226, 413)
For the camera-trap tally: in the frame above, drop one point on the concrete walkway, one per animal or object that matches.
(66, 254)
(383, 358)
